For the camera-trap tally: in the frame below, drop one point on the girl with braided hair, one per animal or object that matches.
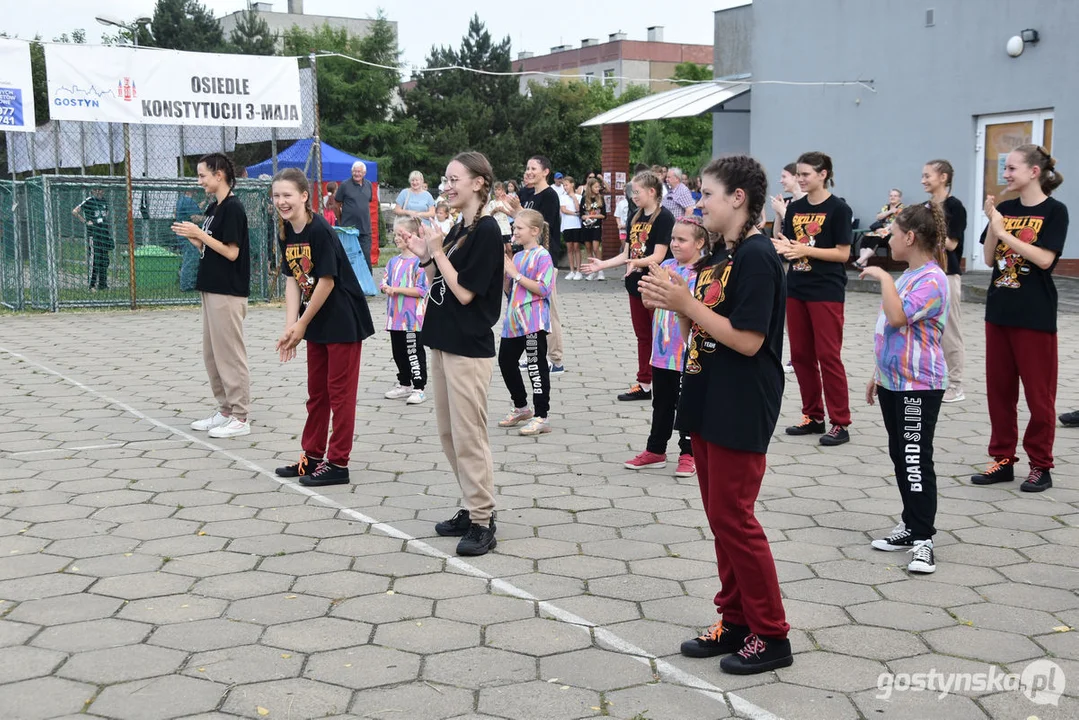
(464, 270)
(911, 373)
(733, 322)
(1023, 241)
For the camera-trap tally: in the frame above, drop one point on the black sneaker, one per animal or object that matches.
(838, 435)
(456, 526)
(325, 474)
(720, 639)
(1000, 471)
(478, 540)
(808, 426)
(636, 393)
(1070, 419)
(1039, 479)
(759, 654)
(298, 469)
(922, 557)
(899, 539)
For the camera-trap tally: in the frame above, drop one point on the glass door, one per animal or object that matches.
(997, 136)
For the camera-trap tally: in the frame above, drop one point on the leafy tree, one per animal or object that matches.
(654, 149)
(252, 35)
(687, 142)
(78, 36)
(183, 25)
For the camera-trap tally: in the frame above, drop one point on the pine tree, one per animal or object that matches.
(252, 35)
(183, 25)
(654, 150)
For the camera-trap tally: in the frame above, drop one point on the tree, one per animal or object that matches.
(654, 149)
(252, 35)
(78, 36)
(183, 25)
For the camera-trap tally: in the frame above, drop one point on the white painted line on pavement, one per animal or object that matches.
(79, 448)
(606, 637)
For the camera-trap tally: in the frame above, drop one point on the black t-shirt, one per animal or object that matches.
(729, 399)
(466, 329)
(316, 252)
(955, 217)
(826, 225)
(643, 234)
(226, 221)
(1021, 294)
(546, 203)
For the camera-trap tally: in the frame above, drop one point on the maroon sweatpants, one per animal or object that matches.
(333, 375)
(642, 328)
(1013, 354)
(815, 331)
(730, 481)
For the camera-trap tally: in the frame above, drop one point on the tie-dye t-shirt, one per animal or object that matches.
(911, 357)
(668, 348)
(528, 312)
(404, 312)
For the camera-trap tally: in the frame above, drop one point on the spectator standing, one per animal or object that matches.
(93, 212)
(414, 201)
(679, 200)
(499, 209)
(354, 195)
(593, 212)
(570, 202)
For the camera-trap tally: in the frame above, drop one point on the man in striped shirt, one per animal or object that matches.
(679, 200)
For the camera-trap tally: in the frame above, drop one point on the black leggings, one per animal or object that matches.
(666, 385)
(410, 357)
(534, 347)
(911, 420)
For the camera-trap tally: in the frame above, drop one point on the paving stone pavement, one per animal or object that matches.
(147, 573)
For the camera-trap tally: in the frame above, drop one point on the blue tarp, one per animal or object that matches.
(336, 164)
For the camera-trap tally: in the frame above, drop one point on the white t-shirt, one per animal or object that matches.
(570, 222)
(621, 211)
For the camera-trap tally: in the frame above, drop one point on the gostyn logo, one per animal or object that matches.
(125, 88)
(1042, 681)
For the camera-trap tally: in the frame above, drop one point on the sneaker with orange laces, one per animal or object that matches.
(646, 459)
(720, 639)
(686, 466)
(636, 393)
(808, 426)
(1002, 470)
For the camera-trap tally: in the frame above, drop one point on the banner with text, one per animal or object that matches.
(16, 86)
(168, 87)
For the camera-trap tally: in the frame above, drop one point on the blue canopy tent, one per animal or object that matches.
(336, 164)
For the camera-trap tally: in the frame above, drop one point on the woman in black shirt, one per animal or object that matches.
(1023, 241)
(224, 282)
(465, 271)
(816, 239)
(731, 390)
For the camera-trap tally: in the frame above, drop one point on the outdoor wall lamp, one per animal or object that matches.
(1029, 36)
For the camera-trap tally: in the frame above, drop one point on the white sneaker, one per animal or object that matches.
(600, 275)
(398, 392)
(590, 276)
(537, 426)
(954, 394)
(234, 428)
(574, 275)
(215, 421)
(416, 397)
(788, 368)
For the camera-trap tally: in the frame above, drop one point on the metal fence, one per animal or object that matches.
(49, 255)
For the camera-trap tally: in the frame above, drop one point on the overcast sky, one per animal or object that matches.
(420, 23)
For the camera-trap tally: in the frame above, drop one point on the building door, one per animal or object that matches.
(997, 136)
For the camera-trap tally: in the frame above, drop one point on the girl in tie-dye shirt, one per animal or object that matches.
(688, 241)
(530, 278)
(405, 286)
(911, 373)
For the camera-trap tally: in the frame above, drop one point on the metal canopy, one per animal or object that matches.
(680, 102)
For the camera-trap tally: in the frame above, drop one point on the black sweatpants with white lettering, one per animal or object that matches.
(534, 347)
(910, 418)
(410, 357)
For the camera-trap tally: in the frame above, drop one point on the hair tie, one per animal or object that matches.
(689, 220)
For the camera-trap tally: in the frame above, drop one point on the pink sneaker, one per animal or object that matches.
(647, 459)
(686, 466)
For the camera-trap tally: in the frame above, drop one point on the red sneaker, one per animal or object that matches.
(647, 459)
(686, 466)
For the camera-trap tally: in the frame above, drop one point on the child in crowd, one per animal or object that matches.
(530, 277)
(443, 218)
(688, 240)
(911, 373)
(405, 287)
(325, 306)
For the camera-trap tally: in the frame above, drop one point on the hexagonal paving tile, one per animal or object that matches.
(363, 667)
(244, 664)
(317, 634)
(92, 635)
(44, 698)
(121, 664)
(417, 701)
(205, 635)
(545, 700)
(595, 669)
(65, 609)
(278, 608)
(22, 663)
(485, 609)
(536, 636)
(298, 697)
(383, 608)
(479, 667)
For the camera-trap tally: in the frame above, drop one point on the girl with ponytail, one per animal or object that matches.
(732, 384)
(911, 373)
(529, 281)
(224, 282)
(465, 270)
(1024, 238)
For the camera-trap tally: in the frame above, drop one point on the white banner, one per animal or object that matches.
(16, 86)
(168, 87)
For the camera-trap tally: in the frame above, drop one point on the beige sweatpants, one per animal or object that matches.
(460, 386)
(224, 352)
(954, 352)
(554, 341)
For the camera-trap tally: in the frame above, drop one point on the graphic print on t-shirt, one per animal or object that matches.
(298, 257)
(807, 226)
(710, 291)
(1011, 263)
(638, 237)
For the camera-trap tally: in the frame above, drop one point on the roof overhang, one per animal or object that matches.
(685, 101)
